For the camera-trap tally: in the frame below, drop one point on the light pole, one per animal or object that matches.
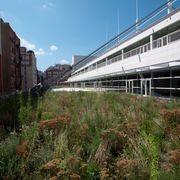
(137, 18)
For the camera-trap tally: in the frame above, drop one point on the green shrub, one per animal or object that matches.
(9, 162)
(25, 111)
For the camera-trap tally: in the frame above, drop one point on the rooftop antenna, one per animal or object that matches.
(137, 14)
(107, 32)
(169, 6)
(118, 20)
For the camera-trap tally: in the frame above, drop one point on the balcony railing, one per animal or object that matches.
(127, 34)
(114, 59)
(163, 41)
(160, 42)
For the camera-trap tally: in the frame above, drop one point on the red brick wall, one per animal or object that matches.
(1, 78)
(10, 65)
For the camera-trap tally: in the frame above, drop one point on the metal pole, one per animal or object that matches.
(137, 14)
(169, 6)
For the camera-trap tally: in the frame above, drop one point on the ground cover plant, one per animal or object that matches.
(93, 135)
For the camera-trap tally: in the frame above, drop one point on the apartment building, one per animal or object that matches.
(54, 75)
(28, 69)
(10, 60)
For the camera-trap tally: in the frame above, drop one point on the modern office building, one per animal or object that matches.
(143, 59)
(10, 60)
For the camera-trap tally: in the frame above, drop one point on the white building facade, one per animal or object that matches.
(145, 62)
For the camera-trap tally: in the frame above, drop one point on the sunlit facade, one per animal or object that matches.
(144, 59)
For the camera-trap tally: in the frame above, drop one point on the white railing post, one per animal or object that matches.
(151, 41)
(122, 52)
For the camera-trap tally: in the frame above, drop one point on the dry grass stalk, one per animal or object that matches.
(170, 159)
(113, 141)
(23, 149)
(174, 156)
(174, 133)
(65, 101)
(84, 131)
(73, 163)
(51, 165)
(171, 116)
(75, 176)
(66, 118)
(54, 178)
(104, 174)
(124, 167)
(102, 154)
(131, 128)
(49, 124)
(55, 123)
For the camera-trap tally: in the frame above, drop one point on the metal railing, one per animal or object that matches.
(169, 38)
(139, 50)
(114, 59)
(125, 35)
(160, 42)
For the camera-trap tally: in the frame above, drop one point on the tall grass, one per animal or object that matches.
(88, 135)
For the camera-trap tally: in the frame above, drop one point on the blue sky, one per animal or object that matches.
(58, 29)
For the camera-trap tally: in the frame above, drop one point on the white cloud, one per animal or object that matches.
(27, 44)
(30, 46)
(63, 61)
(44, 6)
(47, 5)
(40, 52)
(53, 48)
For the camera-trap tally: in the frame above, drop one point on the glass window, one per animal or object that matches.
(145, 48)
(155, 44)
(159, 42)
(165, 41)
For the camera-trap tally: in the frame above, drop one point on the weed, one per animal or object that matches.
(25, 111)
(88, 135)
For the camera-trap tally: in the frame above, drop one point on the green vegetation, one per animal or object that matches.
(91, 135)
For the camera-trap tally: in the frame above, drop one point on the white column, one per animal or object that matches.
(141, 87)
(106, 61)
(122, 52)
(151, 41)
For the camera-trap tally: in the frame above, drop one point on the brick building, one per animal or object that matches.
(10, 60)
(54, 75)
(28, 69)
